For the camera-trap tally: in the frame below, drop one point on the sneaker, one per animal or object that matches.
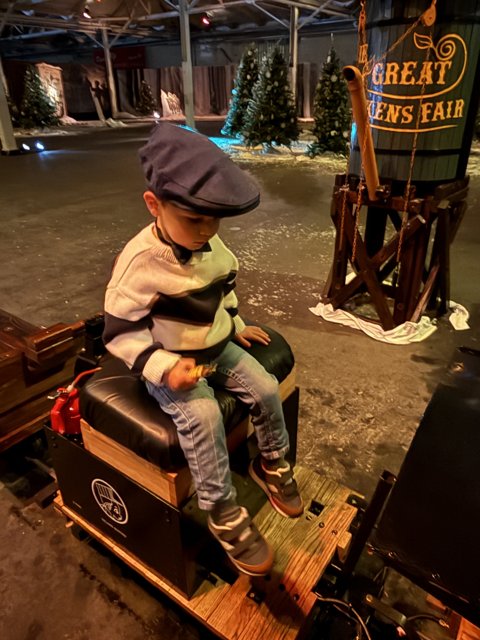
(245, 546)
(279, 485)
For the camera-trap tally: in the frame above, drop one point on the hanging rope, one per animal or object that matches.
(408, 186)
(428, 18)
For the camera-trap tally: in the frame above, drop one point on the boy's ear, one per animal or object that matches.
(152, 202)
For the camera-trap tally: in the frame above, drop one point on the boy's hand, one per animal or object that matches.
(180, 377)
(252, 334)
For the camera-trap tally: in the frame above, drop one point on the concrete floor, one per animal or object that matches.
(65, 214)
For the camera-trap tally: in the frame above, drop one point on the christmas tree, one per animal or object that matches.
(332, 114)
(271, 115)
(146, 104)
(247, 74)
(36, 108)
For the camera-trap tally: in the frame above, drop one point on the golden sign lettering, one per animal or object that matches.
(425, 108)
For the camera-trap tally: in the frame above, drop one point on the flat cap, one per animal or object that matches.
(186, 168)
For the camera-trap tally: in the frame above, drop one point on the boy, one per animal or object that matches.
(170, 306)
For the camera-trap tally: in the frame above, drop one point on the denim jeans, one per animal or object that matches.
(199, 421)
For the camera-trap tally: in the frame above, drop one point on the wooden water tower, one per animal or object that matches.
(398, 207)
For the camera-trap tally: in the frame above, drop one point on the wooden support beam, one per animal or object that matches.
(110, 76)
(187, 73)
(8, 143)
(375, 257)
(293, 49)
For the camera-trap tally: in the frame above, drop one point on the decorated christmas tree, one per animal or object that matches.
(271, 115)
(332, 114)
(247, 74)
(36, 108)
(146, 104)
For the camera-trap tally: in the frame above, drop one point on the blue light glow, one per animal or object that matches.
(39, 146)
(224, 143)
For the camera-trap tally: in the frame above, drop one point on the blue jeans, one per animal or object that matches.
(199, 421)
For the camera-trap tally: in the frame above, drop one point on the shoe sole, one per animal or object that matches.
(246, 572)
(266, 490)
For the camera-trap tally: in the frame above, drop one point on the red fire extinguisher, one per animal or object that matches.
(65, 414)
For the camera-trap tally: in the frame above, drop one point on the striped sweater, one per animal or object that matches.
(158, 310)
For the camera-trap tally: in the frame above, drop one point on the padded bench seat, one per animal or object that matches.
(115, 406)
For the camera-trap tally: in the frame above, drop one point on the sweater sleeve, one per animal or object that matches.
(127, 336)
(230, 302)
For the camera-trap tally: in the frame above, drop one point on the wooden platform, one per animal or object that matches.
(275, 607)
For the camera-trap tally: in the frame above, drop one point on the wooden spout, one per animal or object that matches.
(365, 141)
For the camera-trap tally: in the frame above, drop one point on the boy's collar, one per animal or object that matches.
(182, 254)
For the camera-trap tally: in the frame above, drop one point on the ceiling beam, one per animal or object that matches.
(84, 26)
(284, 23)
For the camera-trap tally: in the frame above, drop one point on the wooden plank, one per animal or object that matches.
(15, 328)
(449, 189)
(23, 386)
(18, 432)
(171, 487)
(338, 270)
(467, 631)
(304, 547)
(367, 272)
(303, 551)
(52, 343)
(41, 345)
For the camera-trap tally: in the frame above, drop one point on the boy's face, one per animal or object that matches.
(186, 228)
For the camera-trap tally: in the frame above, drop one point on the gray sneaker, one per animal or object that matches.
(279, 485)
(243, 543)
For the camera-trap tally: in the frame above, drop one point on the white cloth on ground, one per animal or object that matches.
(459, 316)
(403, 334)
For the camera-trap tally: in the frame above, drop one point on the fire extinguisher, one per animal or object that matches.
(65, 414)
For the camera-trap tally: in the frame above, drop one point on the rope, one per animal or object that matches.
(358, 206)
(412, 162)
(428, 18)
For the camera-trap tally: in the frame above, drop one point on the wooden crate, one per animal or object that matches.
(34, 362)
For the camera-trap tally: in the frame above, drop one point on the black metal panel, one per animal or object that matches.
(151, 529)
(431, 523)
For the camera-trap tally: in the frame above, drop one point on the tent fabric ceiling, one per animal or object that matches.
(29, 24)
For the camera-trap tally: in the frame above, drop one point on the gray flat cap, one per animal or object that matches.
(186, 168)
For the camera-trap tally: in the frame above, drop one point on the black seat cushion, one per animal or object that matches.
(117, 403)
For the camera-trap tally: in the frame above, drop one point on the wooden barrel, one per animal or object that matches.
(423, 83)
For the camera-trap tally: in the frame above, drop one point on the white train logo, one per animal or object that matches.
(109, 501)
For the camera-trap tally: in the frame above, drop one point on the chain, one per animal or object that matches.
(362, 52)
(412, 162)
(358, 206)
(426, 17)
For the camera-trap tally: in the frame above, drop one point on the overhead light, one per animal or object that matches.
(206, 20)
(86, 13)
